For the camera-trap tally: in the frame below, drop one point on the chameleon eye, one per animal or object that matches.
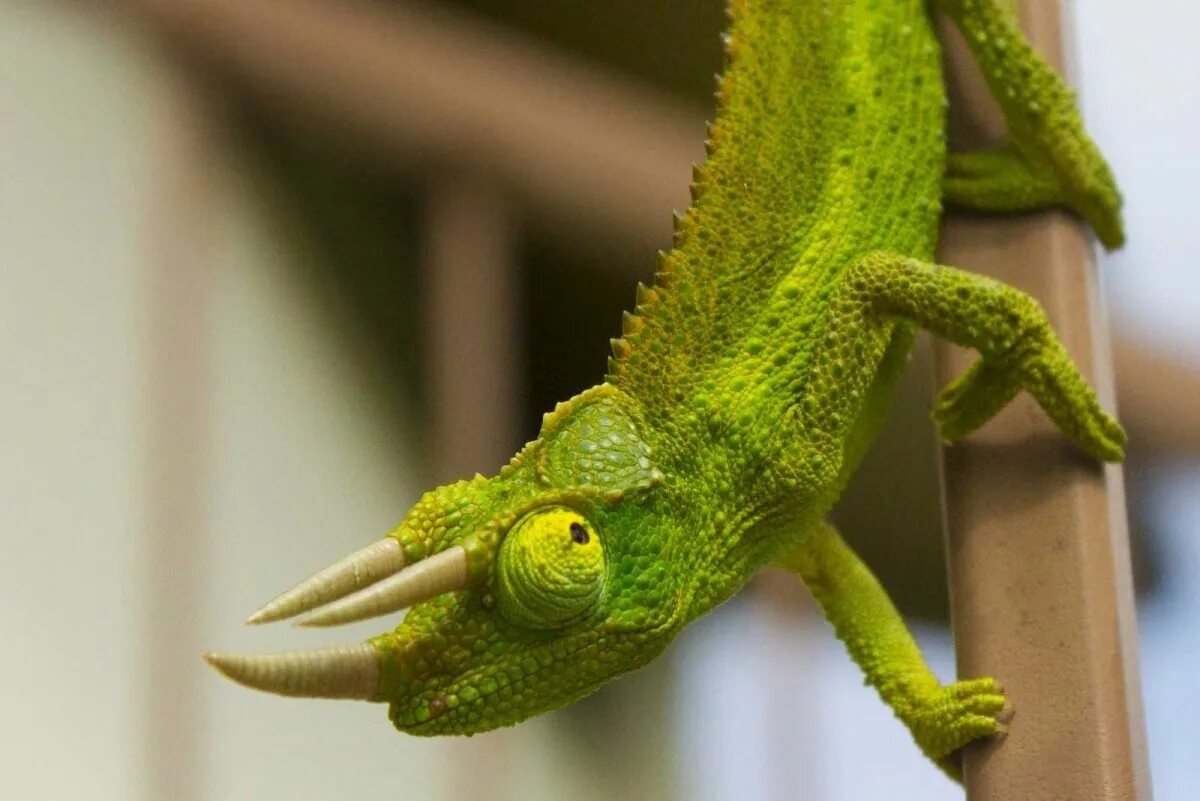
(550, 571)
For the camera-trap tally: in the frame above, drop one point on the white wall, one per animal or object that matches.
(73, 126)
(1141, 100)
(300, 466)
(304, 469)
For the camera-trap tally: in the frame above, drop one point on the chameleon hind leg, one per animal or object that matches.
(942, 719)
(1018, 348)
(1050, 161)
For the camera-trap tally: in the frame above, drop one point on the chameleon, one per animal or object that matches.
(742, 394)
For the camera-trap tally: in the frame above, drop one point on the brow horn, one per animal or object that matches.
(338, 672)
(360, 569)
(443, 572)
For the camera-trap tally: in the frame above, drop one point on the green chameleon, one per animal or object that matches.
(742, 395)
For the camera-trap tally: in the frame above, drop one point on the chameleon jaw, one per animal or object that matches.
(370, 582)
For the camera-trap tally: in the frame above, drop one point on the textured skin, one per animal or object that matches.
(752, 376)
(942, 719)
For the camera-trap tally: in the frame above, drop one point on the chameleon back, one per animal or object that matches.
(848, 98)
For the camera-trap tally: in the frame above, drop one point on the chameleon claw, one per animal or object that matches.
(1004, 717)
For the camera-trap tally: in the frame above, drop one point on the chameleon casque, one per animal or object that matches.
(742, 394)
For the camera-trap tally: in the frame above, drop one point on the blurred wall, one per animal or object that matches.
(75, 116)
(296, 469)
(187, 423)
(1142, 101)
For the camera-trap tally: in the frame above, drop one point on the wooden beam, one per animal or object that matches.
(472, 335)
(1038, 554)
(604, 160)
(1157, 395)
(472, 338)
(177, 286)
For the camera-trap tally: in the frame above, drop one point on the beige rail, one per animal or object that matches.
(1037, 545)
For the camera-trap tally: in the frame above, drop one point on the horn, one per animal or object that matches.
(443, 572)
(360, 569)
(339, 672)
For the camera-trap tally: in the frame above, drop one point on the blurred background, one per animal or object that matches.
(270, 269)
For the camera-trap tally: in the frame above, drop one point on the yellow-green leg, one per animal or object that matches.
(1000, 180)
(1019, 349)
(1051, 161)
(942, 719)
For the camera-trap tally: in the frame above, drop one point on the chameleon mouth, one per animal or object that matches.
(370, 582)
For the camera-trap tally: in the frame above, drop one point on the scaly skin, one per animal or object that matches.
(754, 374)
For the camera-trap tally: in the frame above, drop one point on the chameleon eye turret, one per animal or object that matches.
(551, 570)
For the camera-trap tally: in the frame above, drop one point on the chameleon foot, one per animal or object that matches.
(1052, 161)
(998, 180)
(973, 398)
(1042, 366)
(1038, 175)
(955, 715)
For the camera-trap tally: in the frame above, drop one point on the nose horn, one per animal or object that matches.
(338, 672)
(443, 572)
(349, 574)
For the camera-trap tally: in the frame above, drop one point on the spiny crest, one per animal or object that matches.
(561, 410)
(667, 261)
(715, 136)
(685, 225)
(614, 370)
(697, 187)
(710, 144)
(634, 323)
(550, 421)
(646, 297)
(631, 323)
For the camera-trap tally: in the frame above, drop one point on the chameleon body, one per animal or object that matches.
(748, 383)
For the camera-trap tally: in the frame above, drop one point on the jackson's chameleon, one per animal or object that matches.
(742, 394)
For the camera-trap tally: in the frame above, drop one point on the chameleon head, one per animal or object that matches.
(526, 591)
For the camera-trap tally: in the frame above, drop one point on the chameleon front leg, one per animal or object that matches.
(1019, 349)
(942, 719)
(1050, 160)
